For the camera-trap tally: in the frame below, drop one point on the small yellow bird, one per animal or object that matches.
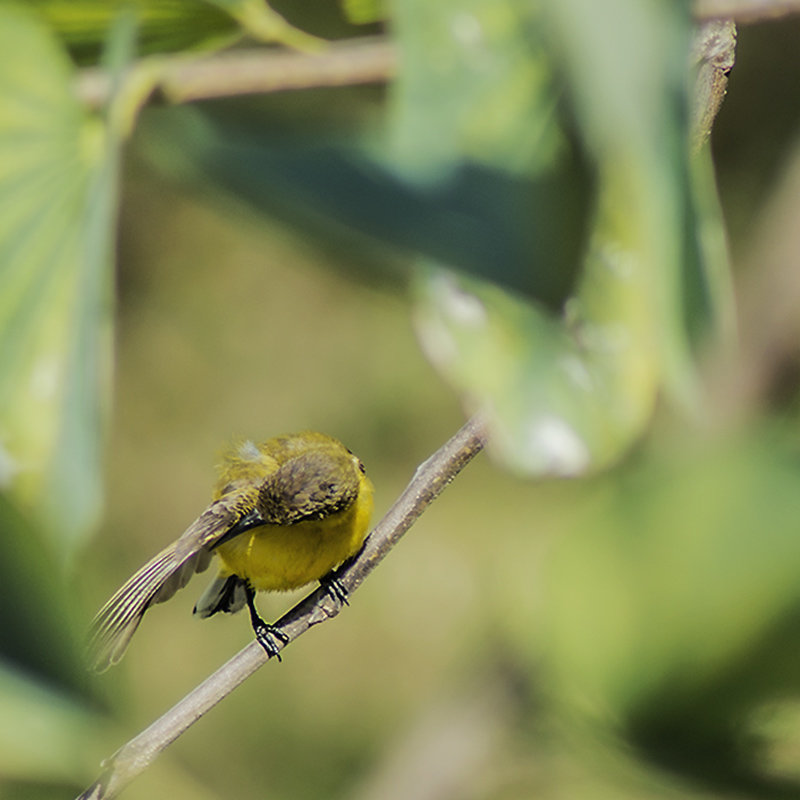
(284, 513)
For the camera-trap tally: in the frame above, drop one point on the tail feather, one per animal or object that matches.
(225, 593)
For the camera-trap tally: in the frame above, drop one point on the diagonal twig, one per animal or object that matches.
(431, 477)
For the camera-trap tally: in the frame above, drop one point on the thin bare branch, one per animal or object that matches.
(426, 485)
(345, 63)
(251, 71)
(713, 54)
(745, 11)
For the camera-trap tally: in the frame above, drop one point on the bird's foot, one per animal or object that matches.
(334, 588)
(272, 639)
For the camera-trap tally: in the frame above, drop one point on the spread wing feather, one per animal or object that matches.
(158, 580)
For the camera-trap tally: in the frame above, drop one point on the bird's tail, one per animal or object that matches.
(225, 593)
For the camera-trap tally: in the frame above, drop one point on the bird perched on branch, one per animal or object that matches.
(284, 513)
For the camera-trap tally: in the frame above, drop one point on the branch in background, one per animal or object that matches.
(428, 482)
(713, 53)
(344, 63)
(745, 11)
(255, 71)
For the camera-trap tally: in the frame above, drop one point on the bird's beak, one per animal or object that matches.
(252, 519)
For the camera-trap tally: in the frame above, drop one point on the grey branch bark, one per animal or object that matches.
(745, 11)
(253, 71)
(345, 63)
(713, 54)
(428, 482)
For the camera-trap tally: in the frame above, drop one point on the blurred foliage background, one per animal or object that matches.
(607, 603)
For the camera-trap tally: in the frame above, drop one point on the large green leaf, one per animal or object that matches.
(47, 732)
(556, 404)
(578, 387)
(164, 25)
(673, 602)
(326, 182)
(45, 736)
(57, 203)
(541, 147)
(475, 84)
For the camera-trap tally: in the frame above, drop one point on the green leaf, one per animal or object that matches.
(57, 196)
(47, 733)
(164, 25)
(673, 601)
(364, 12)
(542, 148)
(578, 387)
(556, 404)
(324, 181)
(626, 66)
(259, 20)
(475, 84)
(38, 636)
(44, 734)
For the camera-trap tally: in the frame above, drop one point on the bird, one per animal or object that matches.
(284, 513)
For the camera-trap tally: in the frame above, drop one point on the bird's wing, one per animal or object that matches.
(160, 578)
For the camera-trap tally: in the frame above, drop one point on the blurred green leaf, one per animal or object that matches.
(482, 174)
(578, 388)
(47, 733)
(259, 20)
(57, 195)
(364, 12)
(45, 736)
(475, 84)
(508, 122)
(673, 601)
(480, 219)
(626, 67)
(38, 633)
(557, 405)
(164, 25)
(476, 92)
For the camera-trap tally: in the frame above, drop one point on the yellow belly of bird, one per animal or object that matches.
(278, 558)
